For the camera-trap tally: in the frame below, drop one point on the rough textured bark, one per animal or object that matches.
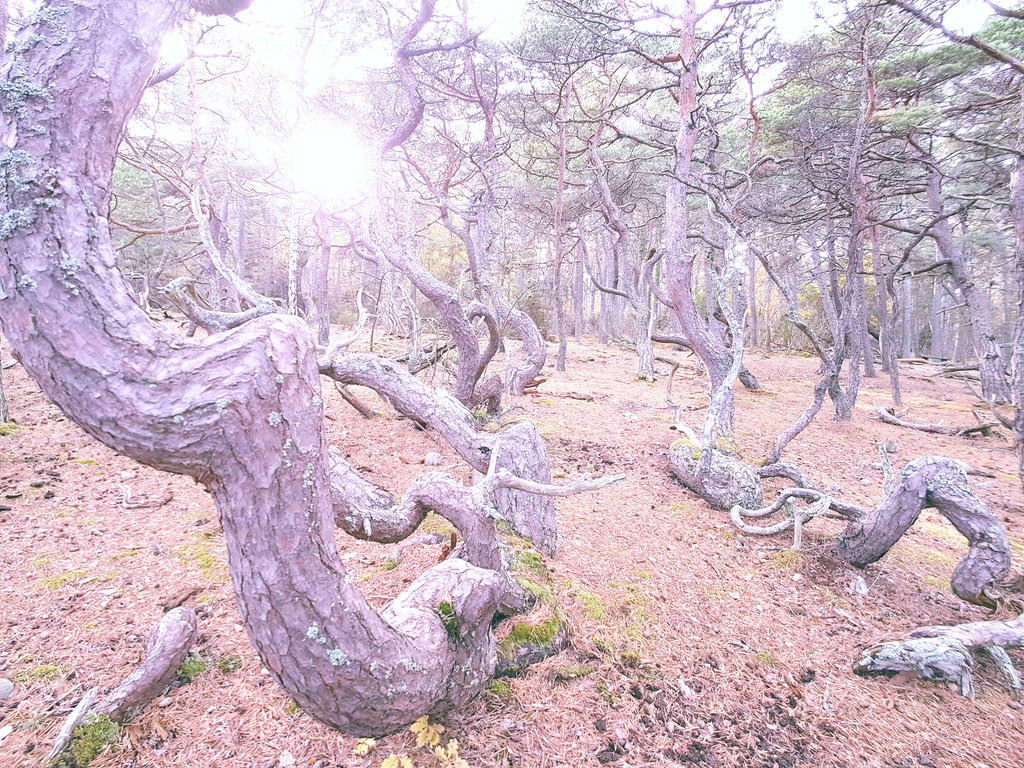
(1017, 360)
(679, 256)
(240, 411)
(457, 318)
(943, 654)
(725, 483)
(480, 239)
(941, 484)
(5, 412)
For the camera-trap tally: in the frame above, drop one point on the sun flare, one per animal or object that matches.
(329, 161)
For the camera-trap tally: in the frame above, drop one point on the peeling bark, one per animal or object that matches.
(944, 654)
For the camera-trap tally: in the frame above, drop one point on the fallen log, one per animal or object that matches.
(944, 654)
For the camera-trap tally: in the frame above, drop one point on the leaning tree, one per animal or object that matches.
(241, 411)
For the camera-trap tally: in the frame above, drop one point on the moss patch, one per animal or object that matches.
(39, 674)
(228, 664)
(88, 740)
(526, 560)
(785, 560)
(191, 668)
(593, 605)
(58, 581)
(534, 634)
(542, 592)
(500, 690)
(572, 672)
(630, 658)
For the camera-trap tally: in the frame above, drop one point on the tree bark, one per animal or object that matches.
(1017, 359)
(679, 256)
(168, 645)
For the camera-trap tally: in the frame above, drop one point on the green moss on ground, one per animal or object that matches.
(88, 740)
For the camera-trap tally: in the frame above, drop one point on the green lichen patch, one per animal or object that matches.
(191, 668)
(89, 739)
(8, 429)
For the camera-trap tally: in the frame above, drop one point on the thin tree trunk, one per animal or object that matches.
(322, 224)
(909, 326)
(578, 294)
(679, 256)
(1017, 361)
(986, 344)
(5, 413)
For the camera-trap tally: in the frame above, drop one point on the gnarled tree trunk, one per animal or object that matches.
(941, 484)
(240, 412)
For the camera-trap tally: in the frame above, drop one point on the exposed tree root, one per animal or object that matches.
(795, 516)
(168, 645)
(941, 484)
(726, 483)
(167, 648)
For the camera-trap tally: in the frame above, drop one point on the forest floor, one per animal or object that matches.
(691, 643)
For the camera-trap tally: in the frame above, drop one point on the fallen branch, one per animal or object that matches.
(502, 478)
(145, 503)
(943, 654)
(886, 414)
(167, 648)
(74, 720)
(572, 396)
(346, 394)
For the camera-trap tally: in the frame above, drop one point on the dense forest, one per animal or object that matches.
(741, 248)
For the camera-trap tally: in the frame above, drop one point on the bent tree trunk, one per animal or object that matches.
(241, 412)
(941, 484)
